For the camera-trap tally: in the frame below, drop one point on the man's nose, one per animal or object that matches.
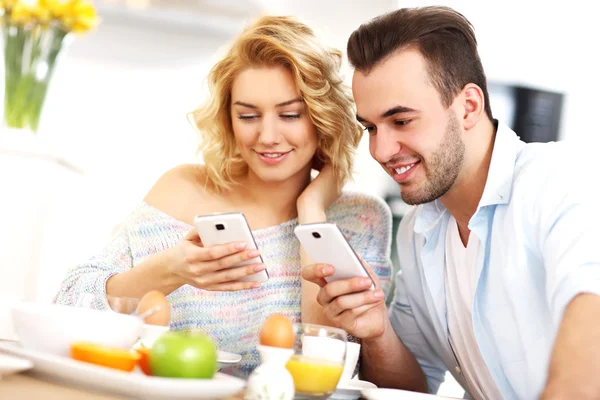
(384, 146)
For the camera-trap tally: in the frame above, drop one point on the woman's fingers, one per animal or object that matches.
(234, 286)
(227, 275)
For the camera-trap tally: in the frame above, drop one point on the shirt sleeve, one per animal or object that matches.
(91, 276)
(562, 212)
(403, 318)
(569, 235)
(404, 324)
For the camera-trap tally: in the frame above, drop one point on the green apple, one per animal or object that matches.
(184, 355)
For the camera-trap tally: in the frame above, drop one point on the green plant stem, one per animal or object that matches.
(25, 52)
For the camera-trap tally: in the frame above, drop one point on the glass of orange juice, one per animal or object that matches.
(318, 360)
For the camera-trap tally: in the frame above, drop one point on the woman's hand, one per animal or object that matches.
(311, 205)
(318, 196)
(209, 268)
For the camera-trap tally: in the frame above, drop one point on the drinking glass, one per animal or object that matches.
(318, 360)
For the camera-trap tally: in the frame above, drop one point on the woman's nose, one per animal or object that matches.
(269, 133)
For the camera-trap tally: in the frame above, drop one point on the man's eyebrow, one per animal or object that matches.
(397, 110)
(392, 111)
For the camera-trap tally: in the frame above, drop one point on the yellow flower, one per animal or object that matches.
(43, 11)
(7, 4)
(56, 7)
(78, 15)
(23, 12)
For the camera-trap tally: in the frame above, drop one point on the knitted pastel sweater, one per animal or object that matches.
(233, 319)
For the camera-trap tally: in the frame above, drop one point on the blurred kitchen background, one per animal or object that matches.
(114, 118)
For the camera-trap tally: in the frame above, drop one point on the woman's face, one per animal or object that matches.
(272, 129)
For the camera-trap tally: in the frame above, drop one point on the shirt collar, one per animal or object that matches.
(498, 185)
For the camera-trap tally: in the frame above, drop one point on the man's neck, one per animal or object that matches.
(464, 196)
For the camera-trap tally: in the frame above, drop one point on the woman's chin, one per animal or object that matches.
(275, 176)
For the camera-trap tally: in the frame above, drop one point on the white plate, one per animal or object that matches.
(395, 394)
(225, 357)
(134, 384)
(351, 390)
(11, 365)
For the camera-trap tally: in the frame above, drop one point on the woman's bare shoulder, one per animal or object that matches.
(178, 189)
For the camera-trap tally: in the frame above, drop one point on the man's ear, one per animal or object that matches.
(473, 103)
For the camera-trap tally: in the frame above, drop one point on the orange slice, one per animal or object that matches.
(144, 361)
(111, 357)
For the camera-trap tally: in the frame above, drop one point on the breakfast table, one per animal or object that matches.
(30, 384)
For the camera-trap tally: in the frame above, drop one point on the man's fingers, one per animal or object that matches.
(355, 303)
(343, 287)
(356, 319)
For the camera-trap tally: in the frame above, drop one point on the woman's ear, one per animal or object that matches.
(473, 102)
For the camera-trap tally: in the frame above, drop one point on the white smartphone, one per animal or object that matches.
(326, 244)
(217, 229)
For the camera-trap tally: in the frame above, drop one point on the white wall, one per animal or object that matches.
(117, 108)
(550, 45)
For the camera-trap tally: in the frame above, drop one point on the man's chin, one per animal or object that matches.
(413, 198)
(410, 200)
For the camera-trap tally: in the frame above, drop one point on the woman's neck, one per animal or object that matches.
(271, 203)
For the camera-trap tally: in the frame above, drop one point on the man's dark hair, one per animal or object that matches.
(444, 37)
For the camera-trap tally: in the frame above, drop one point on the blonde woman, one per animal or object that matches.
(277, 109)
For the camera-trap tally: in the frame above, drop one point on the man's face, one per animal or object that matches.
(413, 136)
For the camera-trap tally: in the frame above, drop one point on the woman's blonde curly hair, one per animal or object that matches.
(279, 41)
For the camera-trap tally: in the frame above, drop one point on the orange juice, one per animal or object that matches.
(314, 376)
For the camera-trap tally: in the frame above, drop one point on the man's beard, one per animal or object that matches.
(442, 169)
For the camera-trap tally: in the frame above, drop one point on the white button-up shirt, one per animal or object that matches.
(539, 226)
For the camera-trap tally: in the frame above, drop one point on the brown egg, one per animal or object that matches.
(153, 299)
(277, 331)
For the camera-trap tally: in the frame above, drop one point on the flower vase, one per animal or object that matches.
(30, 54)
(271, 380)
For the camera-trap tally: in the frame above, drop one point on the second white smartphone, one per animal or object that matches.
(224, 228)
(325, 244)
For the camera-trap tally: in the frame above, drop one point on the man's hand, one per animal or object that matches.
(349, 304)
